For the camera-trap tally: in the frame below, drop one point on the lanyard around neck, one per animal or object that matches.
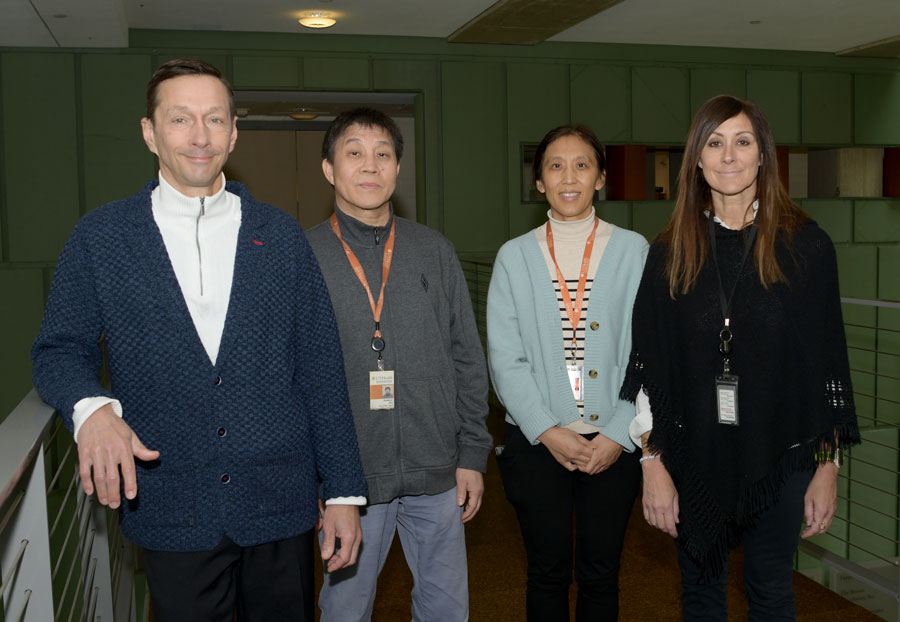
(361, 275)
(726, 303)
(573, 310)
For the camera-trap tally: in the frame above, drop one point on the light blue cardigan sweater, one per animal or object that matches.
(525, 349)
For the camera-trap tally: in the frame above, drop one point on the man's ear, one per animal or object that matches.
(328, 170)
(147, 132)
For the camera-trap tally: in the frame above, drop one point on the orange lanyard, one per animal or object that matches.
(361, 275)
(573, 311)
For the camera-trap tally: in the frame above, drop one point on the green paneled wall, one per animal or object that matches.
(600, 97)
(858, 271)
(616, 212)
(827, 108)
(876, 113)
(537, 100)
(889, 275)
(877, 221)
(660, 105)
(266, 72)
(649, 218)
(69, 135)
(40, 153)
(20, 317)
(422, 77)
(336, 73)
(115, 161)
(473, 133)
(706, 83)
(778, 92)
(834, 216)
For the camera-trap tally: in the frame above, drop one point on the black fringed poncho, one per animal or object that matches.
(794, 398)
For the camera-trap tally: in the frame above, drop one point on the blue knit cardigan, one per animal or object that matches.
(245, 443)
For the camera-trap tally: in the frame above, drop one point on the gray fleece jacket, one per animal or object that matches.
(431, 344)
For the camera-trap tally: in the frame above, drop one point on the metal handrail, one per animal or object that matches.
(13, 567)
(57, 576)
(866, 302)
(31, 419)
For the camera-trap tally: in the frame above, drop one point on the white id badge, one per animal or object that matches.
(576, 380)
(727, 399)
(381, 390)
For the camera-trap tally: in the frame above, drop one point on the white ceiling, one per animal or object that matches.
(811, 25)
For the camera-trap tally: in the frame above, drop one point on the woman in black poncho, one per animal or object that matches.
(739, 353)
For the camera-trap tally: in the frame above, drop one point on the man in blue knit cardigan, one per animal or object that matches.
(228, 414)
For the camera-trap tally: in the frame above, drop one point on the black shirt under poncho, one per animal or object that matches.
(794, 396)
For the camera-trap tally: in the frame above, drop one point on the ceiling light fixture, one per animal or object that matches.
(303, 116)
(316, 19)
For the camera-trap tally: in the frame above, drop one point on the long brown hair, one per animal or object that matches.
(686, 233)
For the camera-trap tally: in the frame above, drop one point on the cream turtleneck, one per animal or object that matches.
(568, 244)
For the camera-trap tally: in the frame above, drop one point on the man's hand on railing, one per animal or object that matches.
(107, 444)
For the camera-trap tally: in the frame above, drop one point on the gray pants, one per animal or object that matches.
(433, 539)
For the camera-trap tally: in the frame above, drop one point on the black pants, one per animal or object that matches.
(547, 497)
(768, 565)
(267, 582)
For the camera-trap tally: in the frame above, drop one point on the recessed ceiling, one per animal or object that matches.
(527, 22)
(811, 25)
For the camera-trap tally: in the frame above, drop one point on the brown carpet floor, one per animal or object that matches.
(649, 579)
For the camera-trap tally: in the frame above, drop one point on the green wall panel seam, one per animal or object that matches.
(79, 136)
(853, 108)
(436, 124)
(799, 109)
(507, 203)
(421, 156)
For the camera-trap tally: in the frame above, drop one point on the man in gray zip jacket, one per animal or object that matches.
(415, 373)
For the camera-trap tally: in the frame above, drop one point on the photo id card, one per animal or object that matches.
(576, 380)
(727, 398)
(381, 390)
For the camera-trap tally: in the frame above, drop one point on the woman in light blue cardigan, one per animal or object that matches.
(557, 357)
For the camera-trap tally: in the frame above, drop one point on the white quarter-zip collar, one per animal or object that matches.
(176, 205)
(200, 235)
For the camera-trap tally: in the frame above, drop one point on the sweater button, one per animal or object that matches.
(592, 373)
(218, 380)
(594, 417)
(595, 325)
(221, 432)
(226, 478)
